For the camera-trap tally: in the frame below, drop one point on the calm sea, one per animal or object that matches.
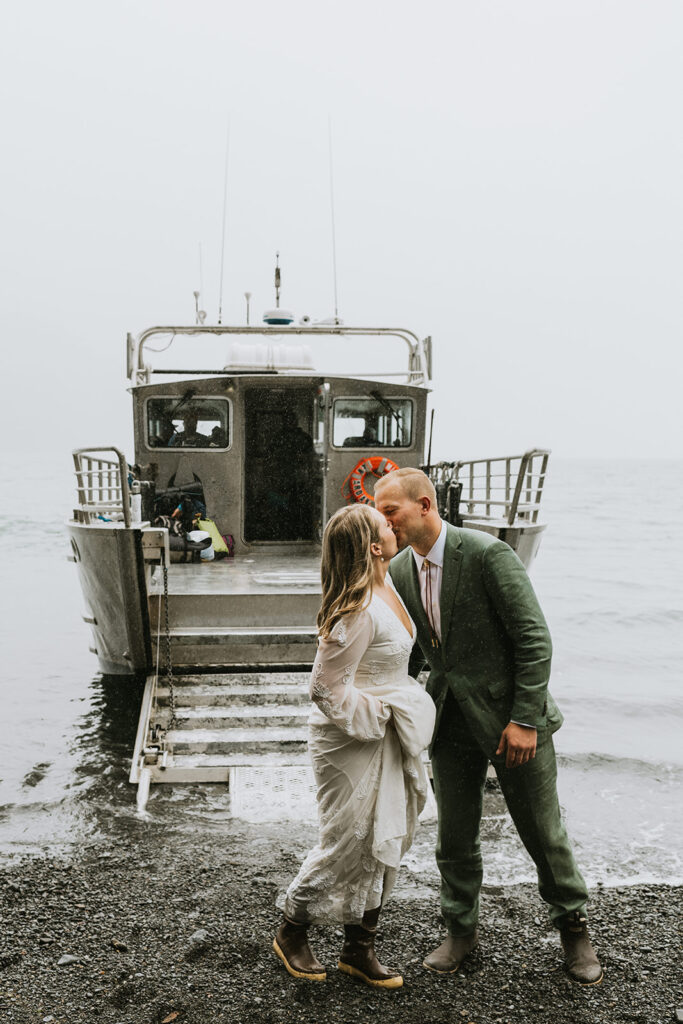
(609, 578)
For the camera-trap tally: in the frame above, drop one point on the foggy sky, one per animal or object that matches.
(507, 179)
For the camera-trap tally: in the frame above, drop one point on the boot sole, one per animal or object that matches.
(586, 984)
(396, 982)
(437, 970)
(291, 970)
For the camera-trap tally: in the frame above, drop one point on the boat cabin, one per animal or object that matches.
(270, 447)
(273, 453)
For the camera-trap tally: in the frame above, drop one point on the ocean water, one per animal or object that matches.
(608, 576)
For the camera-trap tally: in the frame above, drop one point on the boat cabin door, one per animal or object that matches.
(283, 470)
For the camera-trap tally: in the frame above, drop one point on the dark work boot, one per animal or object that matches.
(358, 954)
(451, 953)
(291, 945)
(579, 956)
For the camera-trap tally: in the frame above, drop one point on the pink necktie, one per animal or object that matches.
(426, 565)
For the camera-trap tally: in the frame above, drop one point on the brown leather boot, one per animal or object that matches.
(446, 959)
(291, 945)
(358, 954)
(579, 956)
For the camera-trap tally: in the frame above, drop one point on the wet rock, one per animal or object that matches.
(198, 945)
(67, 959)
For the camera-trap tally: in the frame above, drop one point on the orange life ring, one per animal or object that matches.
(375, 464)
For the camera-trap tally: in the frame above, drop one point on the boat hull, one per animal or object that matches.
(524, 539)
(110, 565)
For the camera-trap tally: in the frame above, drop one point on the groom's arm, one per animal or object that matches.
(514, 599)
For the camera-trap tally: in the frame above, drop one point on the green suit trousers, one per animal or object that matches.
(459, 766)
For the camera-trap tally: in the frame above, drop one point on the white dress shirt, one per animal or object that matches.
(435, 558)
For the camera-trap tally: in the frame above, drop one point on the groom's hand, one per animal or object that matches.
(518, 743)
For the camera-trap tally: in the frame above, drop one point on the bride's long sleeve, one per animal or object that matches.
(360, 715)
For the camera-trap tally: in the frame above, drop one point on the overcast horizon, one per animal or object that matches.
(507, 180)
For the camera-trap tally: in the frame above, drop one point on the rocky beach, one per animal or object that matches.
(158, 925)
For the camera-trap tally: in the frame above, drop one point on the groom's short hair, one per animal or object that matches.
(413, 482)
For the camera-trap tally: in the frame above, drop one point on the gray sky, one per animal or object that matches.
(507, 179)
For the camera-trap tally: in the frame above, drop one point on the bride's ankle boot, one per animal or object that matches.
(291, 945)
(358, 954)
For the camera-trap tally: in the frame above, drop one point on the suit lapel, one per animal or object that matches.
(452, 563)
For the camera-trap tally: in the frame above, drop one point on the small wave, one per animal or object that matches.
(36, 775)
(623, 765)
(625, 706)
(644, 616)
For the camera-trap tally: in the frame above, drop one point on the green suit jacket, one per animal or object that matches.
(495, 646)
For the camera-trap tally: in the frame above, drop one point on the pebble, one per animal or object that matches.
(198, 944)
(679, 1014)
(67, 959)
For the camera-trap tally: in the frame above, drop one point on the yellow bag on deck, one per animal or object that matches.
(219, 545)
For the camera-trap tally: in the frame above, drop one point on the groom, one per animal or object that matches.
(484, 637)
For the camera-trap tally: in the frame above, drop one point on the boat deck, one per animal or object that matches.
(268, 570)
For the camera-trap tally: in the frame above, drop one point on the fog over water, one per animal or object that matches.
(506, 179)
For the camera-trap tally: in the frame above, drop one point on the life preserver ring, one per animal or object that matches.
(374, 464)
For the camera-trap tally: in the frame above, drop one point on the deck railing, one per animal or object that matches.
(508, 488)
(102, 485)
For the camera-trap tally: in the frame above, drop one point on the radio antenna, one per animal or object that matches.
(201, 270)
(225, 215)
(334, 234)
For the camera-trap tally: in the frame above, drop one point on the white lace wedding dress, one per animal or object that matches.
(370, 723)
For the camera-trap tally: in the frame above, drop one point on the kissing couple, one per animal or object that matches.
(459, 602)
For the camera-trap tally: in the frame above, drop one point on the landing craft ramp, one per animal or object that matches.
(236, 695)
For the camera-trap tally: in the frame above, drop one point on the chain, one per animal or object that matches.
(169, 662)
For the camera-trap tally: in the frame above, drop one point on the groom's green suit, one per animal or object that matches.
(491, 667)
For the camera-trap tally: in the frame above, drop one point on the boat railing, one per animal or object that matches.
(507, 488)
(102, 485)
(418, 371)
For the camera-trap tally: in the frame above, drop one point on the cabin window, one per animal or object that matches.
(382, 422)
(188, 422)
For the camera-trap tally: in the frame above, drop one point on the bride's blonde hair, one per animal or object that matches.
(346, 567)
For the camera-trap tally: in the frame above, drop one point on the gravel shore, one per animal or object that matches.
(161, 925)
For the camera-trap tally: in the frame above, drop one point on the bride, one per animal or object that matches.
(369, 724)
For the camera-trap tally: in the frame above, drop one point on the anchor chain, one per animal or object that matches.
(169, 662)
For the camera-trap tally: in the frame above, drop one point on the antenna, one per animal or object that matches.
(225, 213)
(431, 432)
(201, 270)
(200, 315)
(277, 280)
(334, 234)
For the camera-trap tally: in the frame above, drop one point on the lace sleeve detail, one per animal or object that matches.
(358, 714)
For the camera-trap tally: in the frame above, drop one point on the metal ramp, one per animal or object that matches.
(204, 727)
(234, 645)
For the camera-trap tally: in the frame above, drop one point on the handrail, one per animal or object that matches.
(139, 373)
(102, 484)
(513, 483)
